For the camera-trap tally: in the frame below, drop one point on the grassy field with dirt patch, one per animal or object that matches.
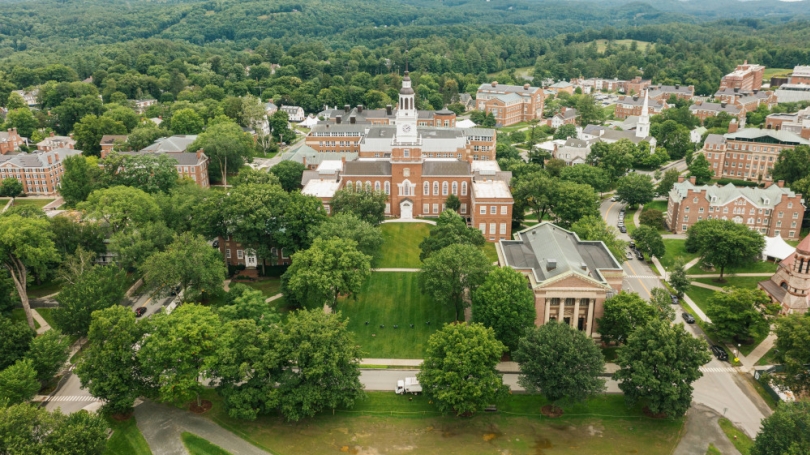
(269, 287)
(126, 439)
(676, 251)
(389, 299)
(389, 423)
(747, 282)
(401, 245)
(741, 441)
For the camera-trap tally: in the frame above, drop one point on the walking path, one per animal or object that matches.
(637, 215)
(8, 204)
(750, 361)
(275, 297)
(53, 205)
(413, 364)
(691, 263)
(717, 275)
(412, 220)
(705, 286)
(43, 324)
(702, 429)
(396, 270)
(696, 309)
(162, 426)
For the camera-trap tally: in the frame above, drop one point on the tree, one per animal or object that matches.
(458, 372)
(109, 369)
(289, 174)
(595, 177)
(505, 302)
(453, 271)
(280, 127)
(624, 313)
(226, 145)
(678, 279)
(121, 207)
(187, 121)
(249, 175)
(737, 313)
(554, 167)
(450, 229)
(80, 432)
(174, 355)
(659, 364)
(635, 189)
(590, 113)
(452, 203)
(595, 228)
(97, 288)
(11, 187)
(31, 429)
(616, 159)
(144, 136)
(570, 202)
(792, 164)
(666, 183)
(15, 342)
(533, 191)
(566, 131)
(673, 137)
(18, 383)
(785, 432)
(483, 119)
(48, 354)
(326, 270)
(652, 218)
(188, 262)
(662, 304)
(649, 241)
(81, 177)
(152, 172)
(793, 352)
(89, 130)
(725, 243)
(701, 169)
(133, 246)
(322, 368)
(15, 101)
(348, 226)
(366, 204)
(560, 362)
(123, 115)
(25, 244)
(23, 120)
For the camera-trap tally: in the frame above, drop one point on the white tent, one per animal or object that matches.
(309, 122)
(466, 123)
(776, 248)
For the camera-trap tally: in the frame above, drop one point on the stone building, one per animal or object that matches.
(571, 278)
(772, 211)
(510, 104)
(790, 284)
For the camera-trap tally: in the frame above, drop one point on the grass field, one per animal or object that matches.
(489, 250)
(390, 299)
(19, 202)
(676, 251)
(748, 282)
(601, 44)
(401, 245)
(47, 315)
(44, 289)
(199, 446)
(767, 359)
(773, 72)
(700, 296)
(628, 221)
(511, 128)
(126, 439)
(740, 440)
(753, 267)
(388, 423)
(269, 287)
(18, 315)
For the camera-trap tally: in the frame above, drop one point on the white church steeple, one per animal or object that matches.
(406, 113)
(643, 126)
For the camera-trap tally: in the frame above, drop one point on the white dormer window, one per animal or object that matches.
(766, 201)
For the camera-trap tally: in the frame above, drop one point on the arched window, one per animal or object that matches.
(455, 188)
(463, 188)
(359, 186)
(444, 188)
(368, 186)
(349, 185)
(376, 186)
(435, 188)
(426, 189)
(387, 187)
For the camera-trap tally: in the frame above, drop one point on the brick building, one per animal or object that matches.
(801, 75)
(748, 153)
(664, 92)
(10, 141)
(56, 142)
(362, 116)
(747, 76)
(192, 166)
(796, 123)
(704, 110)
(790, 284)
(772, 211)
(627, 106)
(510, 104)
(571, 278)
(110, 141)
(566, 116)
(236, 254)
(40, 172)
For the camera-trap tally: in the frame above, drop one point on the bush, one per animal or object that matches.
(652, 218)
(735, 182)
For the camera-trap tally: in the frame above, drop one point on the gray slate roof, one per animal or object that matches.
(434, 167)
(173, 144)
(38, 159)
(762, 197)
(716, 107)
(363, 168)
(183, 159)
(754, 134)
(502, 88)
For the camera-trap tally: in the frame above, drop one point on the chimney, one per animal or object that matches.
(551, 264)
(693, 180)
(346, 108)
(338, 119)
(343, 160)
(723, 104)
(51, 133)
(494, 83)
(525, 86)
(780, 184)
(305, 162)
(732, 126)
(50, 159)
(756, 91)
(698, 102)
(360, 108)
(56, 157)
(681, 179)
(736, 90)
(199, 154)
(677, 86)
(352, 119)
(389, 110)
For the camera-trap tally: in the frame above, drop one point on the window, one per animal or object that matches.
(463, 188)
(504, 209)
(426, 189)
(387, 187)
(464, 208)
(491, 228)
(435, 188)
(376, 186)
(493, 210)
(792, 233)
(283, 255)
(482, 227)
(455, 187)
(503, 228)
(240, 254)
(435, 208)
(228, 253)
(795, 215)
(387, 207)
(425, 208)
(368, 186)
(483, 210)
(406, 153)
(359, 186)
(444, 188)
(685, 218)
(326, 208)
(700, 210)
(683, 227)
(686, 210)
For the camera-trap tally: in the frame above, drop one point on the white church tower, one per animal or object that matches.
(406, 114)
(643, 126)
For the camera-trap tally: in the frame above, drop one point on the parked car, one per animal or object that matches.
(674, 299)
(632, 245)
(688, 318)
(614, 198)
(408, 385)
(628, 255)
(719, 352)
(639, 255)
(623, 229)
(140, 311)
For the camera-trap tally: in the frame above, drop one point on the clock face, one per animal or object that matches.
(406, 128)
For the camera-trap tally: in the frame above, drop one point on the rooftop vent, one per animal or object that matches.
(494, 83)
(551, 264)
(583, 266)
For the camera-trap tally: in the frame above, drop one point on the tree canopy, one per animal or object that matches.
(505, 303)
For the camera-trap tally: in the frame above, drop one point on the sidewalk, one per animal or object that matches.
(503, 367)
(705, 286)
(691, 263)
(750, 361)
(696, 309)
(43, 324)
(717, 275)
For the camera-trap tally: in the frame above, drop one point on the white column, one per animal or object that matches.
(575, 317)
(547, 310)
(589, 326)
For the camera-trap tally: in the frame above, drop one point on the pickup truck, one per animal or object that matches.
(408, 385)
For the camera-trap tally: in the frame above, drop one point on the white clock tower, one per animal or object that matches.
(406, 114)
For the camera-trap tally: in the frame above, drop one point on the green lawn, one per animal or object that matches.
(601, 44)
(767, 359)
(700, 296)
(18, 315)
(199, 446)
(389, 423)
(754, 267)
(401, 245)
(676, 251)
(19, 202)
(713, 450)
(748, 282)
(126, 439)
(44, 289)
(489, 250)
(389, 299)
(773, 72)
(511, 128)
(737, 437)
(628, 221)
(47, 315)
(269, 287)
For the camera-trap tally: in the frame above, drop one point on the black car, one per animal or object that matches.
(140, 311)
(674, 299)
(632, 245)
(623, 229)
(688, 318)
(719, 352)
(639, 255)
